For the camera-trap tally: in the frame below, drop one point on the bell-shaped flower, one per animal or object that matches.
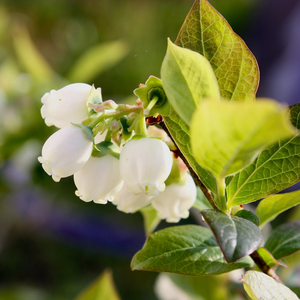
(174, 203)
(130, 203)
(66, 105)
(65, 152)
(99, 179)
(145, 164)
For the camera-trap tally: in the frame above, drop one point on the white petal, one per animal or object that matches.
(99, 179)
(66, 105)
(65, 152)
(174, 203)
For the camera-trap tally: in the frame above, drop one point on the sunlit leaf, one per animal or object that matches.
(284, 240)
(97, 59)
(260, 286)
(236, 237)
(188, 250)
(274, 170)
(228, 136)
(187, 78)
(270, 207)
(102, 289)
(269, 258)
(208, 33)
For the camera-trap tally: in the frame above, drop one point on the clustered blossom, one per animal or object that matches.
(131, 176)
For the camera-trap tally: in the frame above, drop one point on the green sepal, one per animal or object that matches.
(154, 88)
(126, 135)
(88, 132)
(106, 148)
(248, 215)
(95, 97)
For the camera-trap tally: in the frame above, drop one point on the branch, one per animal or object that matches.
(195, 176)
(264, 267)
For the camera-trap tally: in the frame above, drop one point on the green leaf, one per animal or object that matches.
(269, 258)
(151, 219)
(201, 201)
(102, 289)
(207, 32)
(260, 286)
(274, 170)
(284, 240)
(180, 133)
(98, 59)
(248, 215)
(187, 78)
(228, 136)
(187, 250)
(270, 207)
(236, 237)
(235, 67)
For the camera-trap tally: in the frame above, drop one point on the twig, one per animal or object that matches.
(203, 188)
(264, 267)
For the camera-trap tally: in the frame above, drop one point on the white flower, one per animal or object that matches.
(65, 152)
(174, 203)
(67, 105)
(99, 179)
(130, 203)
(145, 164)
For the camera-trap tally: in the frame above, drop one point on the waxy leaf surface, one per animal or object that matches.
(284, 240)
(270, 207)
(187, 78)
(207, 32)
(228, 136)
(275, 169)
(188, 250)
(260, 286)
(236, 237)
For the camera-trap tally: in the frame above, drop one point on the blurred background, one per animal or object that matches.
(53, 245)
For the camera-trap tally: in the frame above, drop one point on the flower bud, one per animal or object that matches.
(99, 179)
(65, 152)
(130, 203)
(66, 105)
(145, 164)
(174, 203)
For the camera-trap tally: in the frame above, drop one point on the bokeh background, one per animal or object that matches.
(53, 245)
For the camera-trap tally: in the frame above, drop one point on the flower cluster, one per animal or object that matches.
(90, 146)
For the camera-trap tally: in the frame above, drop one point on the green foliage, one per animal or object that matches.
(248, 215)
(268, 258)
(275, 169)
(228, 136)
(260, 286)
(102, 289)
(207, 32)
(187, 78)
(237, 237)
(187, 250)
(284, 240)
(270, 207)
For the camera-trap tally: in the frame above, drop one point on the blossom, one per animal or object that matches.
(99, 179)
(145, 164)
(174, 203)
(66, 105)
(65, 152)
(130, 203)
